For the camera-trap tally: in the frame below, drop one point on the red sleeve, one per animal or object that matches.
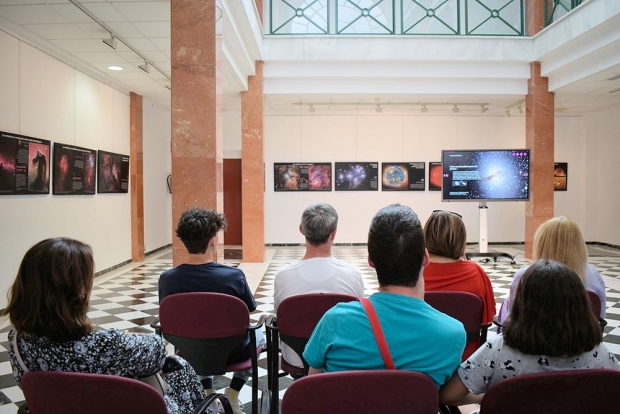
(487, 294)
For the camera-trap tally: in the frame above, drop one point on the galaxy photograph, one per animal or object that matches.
(357, 176)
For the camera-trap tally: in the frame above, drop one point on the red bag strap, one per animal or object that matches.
(378, 331)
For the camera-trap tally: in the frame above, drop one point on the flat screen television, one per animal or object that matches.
(485, 175)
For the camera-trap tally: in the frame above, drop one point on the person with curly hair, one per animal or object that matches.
(198, 229)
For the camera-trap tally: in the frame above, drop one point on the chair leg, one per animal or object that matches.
(274, 368)
(254, 373)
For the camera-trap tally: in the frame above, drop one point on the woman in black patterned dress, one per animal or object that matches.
(47, 307)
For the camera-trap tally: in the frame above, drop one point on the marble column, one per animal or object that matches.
(539, 130)
(253, 169)
(136, 177)
(535, 15)
(259, 7)
(194, 130)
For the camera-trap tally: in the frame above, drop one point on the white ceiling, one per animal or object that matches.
(145, 25)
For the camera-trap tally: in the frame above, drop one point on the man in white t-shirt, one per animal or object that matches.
(317, 271)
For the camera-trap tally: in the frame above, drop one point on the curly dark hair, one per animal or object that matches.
(197, 226)
(50, 294)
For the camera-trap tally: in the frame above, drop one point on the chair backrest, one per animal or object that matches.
(554, 392)
(463, 306)
(379, 391)
(204, 327)
(54, 392)
(595, 304)
(298, 316)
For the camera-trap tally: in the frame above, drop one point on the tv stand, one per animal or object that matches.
(483, 243)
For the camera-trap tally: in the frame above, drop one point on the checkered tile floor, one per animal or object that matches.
(129, 301)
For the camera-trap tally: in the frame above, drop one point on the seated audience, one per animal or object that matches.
(317, 271)
(561, 240)
(198, 229)
(419, 337)
(545, 332)
(47, 306)
(448, 269)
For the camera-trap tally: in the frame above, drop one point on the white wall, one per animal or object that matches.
(45, 98)
(602, 196)
(157, 167)
(390, 138)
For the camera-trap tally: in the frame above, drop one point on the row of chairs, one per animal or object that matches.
(206, 327)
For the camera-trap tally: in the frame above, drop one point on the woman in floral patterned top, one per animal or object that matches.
(47, 306)
(546, 332)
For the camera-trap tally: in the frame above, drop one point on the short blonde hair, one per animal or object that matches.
(561, 240)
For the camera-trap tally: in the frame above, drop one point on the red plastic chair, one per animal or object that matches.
(374, 391)
(295, 321)
(466, 308)
(205, 328)
(50, 392)
(581, 391)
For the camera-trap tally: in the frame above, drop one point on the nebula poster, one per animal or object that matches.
(24, 164)
(74, 170)
(560, 176)
(302, 176)
(434, 176)
(113, 174)
(493, 175)
(357, 176)
(403, 176)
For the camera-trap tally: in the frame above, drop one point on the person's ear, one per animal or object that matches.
(332, 235)
(301, 230)
(370, 263)
(212, 241)
(426, 260)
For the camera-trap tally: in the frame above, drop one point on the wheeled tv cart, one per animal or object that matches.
(483, 243)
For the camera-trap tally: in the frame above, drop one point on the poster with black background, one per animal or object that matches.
(403, 176)
(302, 176)
(357, 176)
(74, 170)
(435, 176)
(560, 176)
(113, 174)
(24, 164)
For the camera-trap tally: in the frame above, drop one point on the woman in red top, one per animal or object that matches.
(448, 270)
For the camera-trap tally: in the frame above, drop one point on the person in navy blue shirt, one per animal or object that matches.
(198, 229)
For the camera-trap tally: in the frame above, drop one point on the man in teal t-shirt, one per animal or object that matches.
(419, 337)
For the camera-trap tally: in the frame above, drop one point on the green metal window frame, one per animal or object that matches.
(567, 7)
(298, 13)
(430, 14)
(494, 14)
(367, 12)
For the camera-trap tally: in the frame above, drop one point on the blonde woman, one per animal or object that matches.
(561, 240)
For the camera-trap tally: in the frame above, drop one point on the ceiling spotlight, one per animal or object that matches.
(378, 109)
(520, 110)
(146, 67)
(115, 67)
(111, 41)
(456, 109)
(424, 109)
(507, 113)
(311, 109)
(483, 109)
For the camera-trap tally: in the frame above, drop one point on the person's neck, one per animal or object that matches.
(201, 258)
(413, 292)
(323, 250)
(441, 259)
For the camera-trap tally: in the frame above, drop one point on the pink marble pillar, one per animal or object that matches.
(253, 169)
(259, 6)
(194, 135)
(539, 130)
(535, 16)
(136, 177)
